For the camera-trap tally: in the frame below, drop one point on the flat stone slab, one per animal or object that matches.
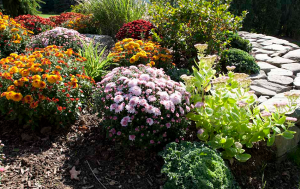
(279, 60)
(283, 80)
(294, 55)
(276, 47)
(280, 71)
(260, 75)
(297, 82)
(262, 57)
(271, 86)
(263, 51)
(294, 67)
(266, 67)
(262, 91)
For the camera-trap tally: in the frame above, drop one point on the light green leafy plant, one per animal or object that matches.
(96, 64)
(228, 118)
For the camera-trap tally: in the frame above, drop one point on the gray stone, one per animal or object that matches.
(260, 75)
(292, 45)
(276, 47)
(266, 67)
(269, 37)
(294, 67)
(284, 80)
(262, 51)
(279, 41)
(262, 91)
(262, 99)
(262, 57)
(271, 86)
(266, 43)
(262, 40)
(256, 45)
(280, 71)
(297, 82)
(251, 40)
(294, 55)
(279, 60)
(104, 40)
(286, 145)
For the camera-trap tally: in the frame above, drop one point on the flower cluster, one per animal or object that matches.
(13, 36)
(138, 29)
(49, 84)
(143, 105)
(132, 51)
(64, 17)
(67, 38)
(82, 24)
(35, 23)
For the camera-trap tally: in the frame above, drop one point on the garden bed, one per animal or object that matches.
(44, 161)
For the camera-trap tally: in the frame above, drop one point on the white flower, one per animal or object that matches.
(163, 95)
(152, 98)
(149, 121)
(175, 98)
(134, 101)
(145, 77)
(150, 85)
(130, 109)
(148, 91)
(133, 82)
(118, 98)
(136, 90)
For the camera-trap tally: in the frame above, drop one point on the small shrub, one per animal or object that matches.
(58, 36)
(138, 29)
(244, 62)
(133, 52)
(82, 24)
(187, 23)
(64, 17)
(45, 85)
(13, 37)
(142, 106)
(34, 23)
(195, 166)
(176, 73)
(238, 42)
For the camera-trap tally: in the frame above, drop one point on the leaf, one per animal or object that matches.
(281, 120)
(209, 111)
(271, 140)
(74, 173)
(288, 135)
(242, 157)
(207, 88)
(229, 143)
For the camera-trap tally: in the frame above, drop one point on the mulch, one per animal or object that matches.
(43, 159)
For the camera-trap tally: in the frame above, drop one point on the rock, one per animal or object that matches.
(46, 130)
(279, 60)
(266, 67)
(262, 51)
(260, 75)
(280, 71)
(284, 80)
(294, 67)
(262, 57)
(276, 47)
(271, 86)
(286, 145)
(104, 40)
(262, 91)
(292, 45)
(26, 137)
(262, 99)
(252, 40)
(294, 55)
(256, 45)
(297, 82)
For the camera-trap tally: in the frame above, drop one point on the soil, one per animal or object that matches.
(44, 158)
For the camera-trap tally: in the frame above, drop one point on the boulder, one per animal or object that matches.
(104, 40)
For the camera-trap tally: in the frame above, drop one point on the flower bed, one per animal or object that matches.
(67, 38)
(138, 29)
(64, 17)
(49, 84)
(141, 104)
(35, 23)
(133, 52)
(13, 36)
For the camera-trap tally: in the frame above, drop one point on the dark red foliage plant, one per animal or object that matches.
(35, 23)
(138, 29)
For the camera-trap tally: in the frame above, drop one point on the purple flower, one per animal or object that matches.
(149, 121)
(199, 105)
(200, 131)
(118, 98)
(132, 137)
(136, 90)
(168, 125)
(291, 119)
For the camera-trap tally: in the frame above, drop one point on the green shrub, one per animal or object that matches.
(112, 14)
(243, 61)
(238, 42)
(191, 22)
(176, 73)
(20, 7)
(195, 166)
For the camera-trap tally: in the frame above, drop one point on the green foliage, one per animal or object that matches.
(273, 17)
(238, 42)
(295, 156)
(19, 7)
(112, 14)
(175, 73)
(96, 64)
(195, 166)
(190, 22)
(243, 61)
(228, 117)
(56, 6)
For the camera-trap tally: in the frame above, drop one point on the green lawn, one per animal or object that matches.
(46, 15)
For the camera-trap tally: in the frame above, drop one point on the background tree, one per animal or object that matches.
(19, 7)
